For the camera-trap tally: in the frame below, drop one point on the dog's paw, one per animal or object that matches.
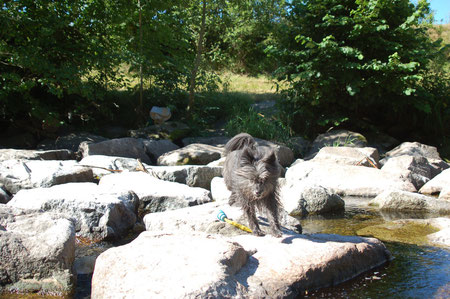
(276, 234)
(258, 233)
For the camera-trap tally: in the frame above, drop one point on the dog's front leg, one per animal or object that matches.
(252, 220)
(272, 211)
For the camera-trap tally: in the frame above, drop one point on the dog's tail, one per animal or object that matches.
(239, 142)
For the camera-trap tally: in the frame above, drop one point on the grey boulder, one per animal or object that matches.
(336, 138)
(102, 165)
(245, 266)
(301, 200)
(61, 154)
(417, 149)
(193, 154)
(121, 147)
(26, 174)
(345, 180)
(365, 156)
(191, 175)
(437, 184)
(98, 213)
(155, 195)
(156, 148)
(37, 252)
(401, 200)
(414, 169)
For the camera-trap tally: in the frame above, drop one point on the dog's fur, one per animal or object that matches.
(251, 173)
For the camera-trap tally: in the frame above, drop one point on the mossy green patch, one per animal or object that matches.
(404, 231)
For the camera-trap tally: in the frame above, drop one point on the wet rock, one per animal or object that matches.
(26, 174)
(301, 200)
(417, 149)
(414, 169)
(345, 180)
(435, 185)
(191, 175)
(38, 251)
(366, 156)
(336, 138)
(155, 195)
(99, 213)
(411, 231)
(121, 147)
(85, 264)
(442, 237)
(193, 154)
(156, 148)
(401, 200)
(242, 266)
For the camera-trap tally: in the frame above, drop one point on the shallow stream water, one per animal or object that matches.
(418, 270)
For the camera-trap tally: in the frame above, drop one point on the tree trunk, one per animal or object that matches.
(141, 112)
(197, 61)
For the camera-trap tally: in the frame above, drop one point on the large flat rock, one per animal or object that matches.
(26, 174)
(120, 147)
(61, 154)
(408, 201)
(435, 185)
(203, 218)
(191, 175)
(98, 213)
(156, 195)
(198, 265)
(192, 154)
(346, 180)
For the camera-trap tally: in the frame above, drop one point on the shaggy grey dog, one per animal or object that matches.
(251, 174)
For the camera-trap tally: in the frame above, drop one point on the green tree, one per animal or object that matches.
(52, 53)
(353, 60)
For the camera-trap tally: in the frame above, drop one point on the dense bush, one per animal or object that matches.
(358, 63)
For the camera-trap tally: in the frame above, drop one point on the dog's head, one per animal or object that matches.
(260, 169)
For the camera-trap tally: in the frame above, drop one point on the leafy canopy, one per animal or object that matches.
(347, 60)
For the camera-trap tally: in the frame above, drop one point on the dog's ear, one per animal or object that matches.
(270, 158)
(247, 156)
